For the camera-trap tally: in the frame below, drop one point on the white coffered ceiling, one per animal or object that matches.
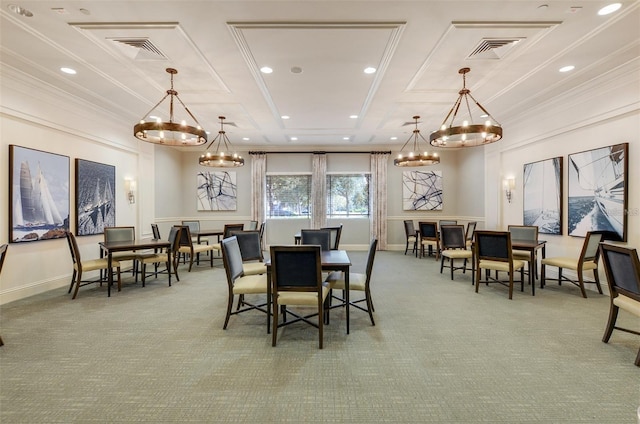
(318, 51)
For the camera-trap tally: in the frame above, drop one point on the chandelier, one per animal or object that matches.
(417, 158)
(221, 159)
(466, 134)
(170, 133)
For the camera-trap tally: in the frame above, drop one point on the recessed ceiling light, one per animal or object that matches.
(567, 68)
(285, 117)
(353, 116)
(266, 70)
(68, 71)
(609, 9)
(346, 138)
(393, 138)
(246, 138)
(294, 138)
(369, 70)
(20, 10)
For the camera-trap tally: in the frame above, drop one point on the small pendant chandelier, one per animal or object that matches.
(466, 133)
(170, 133)
(415, 158)
(221, 159)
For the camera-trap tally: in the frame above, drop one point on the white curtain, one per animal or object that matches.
(319, 191)
(258, 186)
(378, 196)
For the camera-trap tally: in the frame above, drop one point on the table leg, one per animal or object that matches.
(269, 306)
(532, 270)
(346, 296)
(109, 273)
(169, 264)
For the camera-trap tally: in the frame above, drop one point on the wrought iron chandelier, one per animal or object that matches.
(221, 159)
(414, 157)
(465, 133)
(168, 132)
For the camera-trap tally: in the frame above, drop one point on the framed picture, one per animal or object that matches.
(95, 197)
(217, 191)
(542, 192)
(598, 191)
(422, 190)
(39, 194)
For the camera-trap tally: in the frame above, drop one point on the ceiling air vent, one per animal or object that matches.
(138, 48)
(494, 48)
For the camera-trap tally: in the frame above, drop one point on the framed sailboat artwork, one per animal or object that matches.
(542, 194)
(39, 195)
(598, 191)
(95, 197)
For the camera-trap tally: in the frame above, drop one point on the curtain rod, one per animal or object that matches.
(315, 152)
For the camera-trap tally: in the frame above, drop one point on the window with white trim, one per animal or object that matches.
(347, 195)
(288, 196)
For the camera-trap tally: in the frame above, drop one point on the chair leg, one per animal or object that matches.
(441, 265)
(190, 262)
(274, 333)
(78, 279)
(144, 274)
(229, 307)
(581, 282)
(596, 278)
(451, 264)
(119, 279)
(406, 248)
(367, 294)
(73, 280)
(510, 285)
(613, 316)
(543, 269)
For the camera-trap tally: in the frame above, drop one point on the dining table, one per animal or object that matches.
(332, 260)
(110, 247)
(206, 233)
(531, 246)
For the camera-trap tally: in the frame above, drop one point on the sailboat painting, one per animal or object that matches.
(95, 197)
(542, 190)
(39, 193)
(598, 191)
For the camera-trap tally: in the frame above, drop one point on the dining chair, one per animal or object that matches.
(262, 228)
(226, 232)
(321, 237)
(239, 283)
(163, 257)
(125, 233)
(3, 254)
(493, 253)
(526, 233)
(447, 222)
(622, 268)
(296, 281)
(253, 225)
(156, 231)
(454, 247)
(335, 232)
(80, 266)
(411, 235)
(251, 250)
(471, 228)
(186, 247)
(358, 282)
(194, 226)
(586, 261)
(429, 238)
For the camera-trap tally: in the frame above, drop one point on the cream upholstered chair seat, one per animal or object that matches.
(254, 268)
(250, 284)
(499, 265)
(454, 248)
(193, 250)
(628, 304)
(569, 263)
(302, 298)
(357, 281)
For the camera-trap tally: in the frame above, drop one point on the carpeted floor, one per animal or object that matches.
(439, 353)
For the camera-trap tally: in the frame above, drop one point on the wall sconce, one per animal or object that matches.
(130, 186)
(509, 185)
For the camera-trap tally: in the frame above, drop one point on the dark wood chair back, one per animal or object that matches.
(249, 243)
(471, 228)
(296, 268)
(319, 237)
(229, 228)
(523, 232)
(452, 237)
(156, 231)
(336, 232)
(119, 233)
(493, 246)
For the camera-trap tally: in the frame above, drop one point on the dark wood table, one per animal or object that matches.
(125, 246)
(205, 233)
(332, 260)
(531, 246)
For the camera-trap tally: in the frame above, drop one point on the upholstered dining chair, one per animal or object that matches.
(447, 222)
(239, 283)
(493, 253)
(81, 266)
(194, 226)
(126, 233)
(251, 250)
(527, 233)
(156, 231)
(454, 248)
(336, 232)
(296, 281)
(321, 237)
(411, 236)
(3, 254)
(187, 247)
(253, 225)
(622, 268)
(163, 257)
(471, 228)
(357, 282)
(586, 261)
(429, 239)
(226, 232)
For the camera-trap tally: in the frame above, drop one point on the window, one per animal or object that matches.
(347, 195)
(288, 196)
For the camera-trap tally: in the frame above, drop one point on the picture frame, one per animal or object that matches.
(542, 195)
(598, 191)
(216, 191)
(39, 195)
(95, 197)
(422, 190)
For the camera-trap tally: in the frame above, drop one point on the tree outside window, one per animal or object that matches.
(347, 195)
(288, 196)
